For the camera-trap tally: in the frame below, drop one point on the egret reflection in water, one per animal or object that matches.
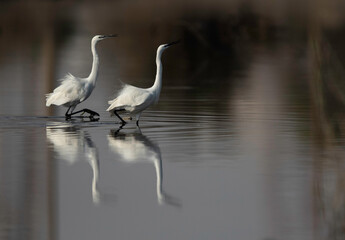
(70, 142)
(135, 148)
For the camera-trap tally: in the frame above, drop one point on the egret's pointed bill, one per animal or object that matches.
(109, 36)
(172, 43)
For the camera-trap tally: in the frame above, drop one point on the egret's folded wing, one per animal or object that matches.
(131, 96)
(143, 99)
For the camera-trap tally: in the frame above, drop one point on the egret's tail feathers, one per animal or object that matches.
(115, 106)
(110, 108)
(56, 98)
(112, 104)
(112, 101)
(48, 99)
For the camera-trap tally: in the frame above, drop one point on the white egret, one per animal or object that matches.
(134, 100)
(74, 90)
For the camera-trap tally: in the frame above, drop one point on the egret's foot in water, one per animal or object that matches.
(116, 132)
(92, 113)
(91, 116)
(92, 119)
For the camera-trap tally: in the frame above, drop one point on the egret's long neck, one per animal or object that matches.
(95, 63)
(158, 81)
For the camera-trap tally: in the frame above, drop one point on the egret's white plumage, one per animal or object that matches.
(74, 90)
(134, 100)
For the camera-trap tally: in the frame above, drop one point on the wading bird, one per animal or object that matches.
(134, 100)
(74, 90)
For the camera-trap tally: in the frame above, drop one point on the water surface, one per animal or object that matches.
(246, 142)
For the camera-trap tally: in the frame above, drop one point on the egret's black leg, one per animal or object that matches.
(67, 115)
(137, 116)
(73, 113)
(123, 122)
(93, 113)
(85, 110)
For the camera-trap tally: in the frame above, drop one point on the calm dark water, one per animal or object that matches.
(246, 142)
